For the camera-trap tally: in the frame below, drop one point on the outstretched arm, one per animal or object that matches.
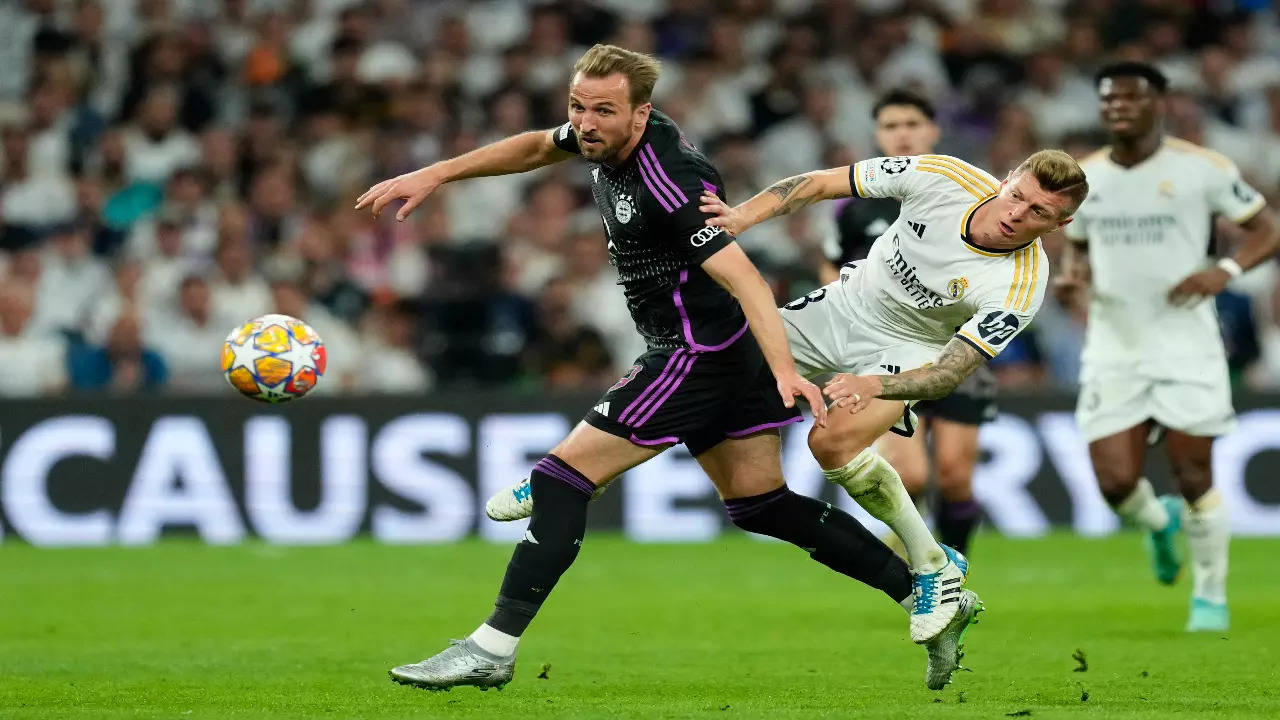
(516, 154)
(957, 362)
(779, 198)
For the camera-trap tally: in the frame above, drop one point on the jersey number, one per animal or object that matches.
(812, 297)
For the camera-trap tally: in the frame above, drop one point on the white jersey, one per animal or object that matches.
(1147, 228)
(924, 281)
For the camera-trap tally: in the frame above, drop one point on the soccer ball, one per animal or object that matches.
(273, 358)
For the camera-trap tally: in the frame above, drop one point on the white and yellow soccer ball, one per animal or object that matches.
(273, 358)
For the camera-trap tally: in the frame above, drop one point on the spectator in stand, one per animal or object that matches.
(189, 340)
(29, 203)
(34, 363)
(388, 346)
(72, 281)
(566, 354)
(155, 145)
(237, 291)
(121, 366)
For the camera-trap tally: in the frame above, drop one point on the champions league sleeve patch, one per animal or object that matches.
(895, 165)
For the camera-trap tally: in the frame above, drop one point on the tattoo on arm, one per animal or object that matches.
(957, 361)
(790, 195)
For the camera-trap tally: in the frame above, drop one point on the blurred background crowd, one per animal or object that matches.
(172, 168)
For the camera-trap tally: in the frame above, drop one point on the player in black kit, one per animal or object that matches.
(704, 381)
(905, 126)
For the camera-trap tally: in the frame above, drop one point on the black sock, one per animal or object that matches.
(830, 536)
(559, 520)
(957, 521)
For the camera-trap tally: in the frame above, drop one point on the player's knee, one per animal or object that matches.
(1117, 482)
(955, 480)
(832, 449)
(1194, 478)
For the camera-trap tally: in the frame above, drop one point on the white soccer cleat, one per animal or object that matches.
(516, 502)
(513, 503)
(937, 598)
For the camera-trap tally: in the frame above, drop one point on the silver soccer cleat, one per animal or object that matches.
(462, 663)
(516, 502)
(946, 650)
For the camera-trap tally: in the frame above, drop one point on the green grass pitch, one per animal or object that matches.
(732, 629)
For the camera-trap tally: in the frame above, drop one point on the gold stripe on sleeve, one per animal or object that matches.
(939, 170)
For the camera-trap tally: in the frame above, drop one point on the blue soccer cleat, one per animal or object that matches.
(1165, 559)
(1208, 616)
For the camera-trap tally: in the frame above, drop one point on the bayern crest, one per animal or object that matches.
(623, 210)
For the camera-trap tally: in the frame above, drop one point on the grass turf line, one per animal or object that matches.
(731, 629)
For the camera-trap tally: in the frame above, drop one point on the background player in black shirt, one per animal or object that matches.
(905, 126)
(704, 381)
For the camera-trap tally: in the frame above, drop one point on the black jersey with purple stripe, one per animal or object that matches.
(658, 238)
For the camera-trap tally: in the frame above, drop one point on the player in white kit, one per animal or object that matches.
(958, 274)
(1153, 358)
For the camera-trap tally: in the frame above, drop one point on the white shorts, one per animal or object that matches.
(1112, 401)
(826, 339)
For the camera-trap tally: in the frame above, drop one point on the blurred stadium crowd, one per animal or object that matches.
(172, 168)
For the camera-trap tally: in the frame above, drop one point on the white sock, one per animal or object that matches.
(1208, 535)
(494, 641)
(874, 484)
(908, 603)
(1143, 508)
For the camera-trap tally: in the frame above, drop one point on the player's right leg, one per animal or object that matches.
(562, 483)
(1114, 414)
(747, 473)
(1117, 462)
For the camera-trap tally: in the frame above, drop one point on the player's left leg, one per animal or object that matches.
(843, 449)
(562, 484)
(1206, 524)
(955, 452)
(910, 457)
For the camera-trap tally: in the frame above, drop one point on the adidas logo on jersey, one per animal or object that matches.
(602, 408)
(917, 228)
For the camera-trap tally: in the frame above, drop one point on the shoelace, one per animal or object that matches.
(926, 588)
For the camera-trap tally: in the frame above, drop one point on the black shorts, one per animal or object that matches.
(695, 397)
(973, 403)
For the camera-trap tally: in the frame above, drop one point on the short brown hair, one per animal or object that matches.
(1059, 173)
(641, 70)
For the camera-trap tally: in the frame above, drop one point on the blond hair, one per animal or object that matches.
(641, 70)
(1058, 173)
